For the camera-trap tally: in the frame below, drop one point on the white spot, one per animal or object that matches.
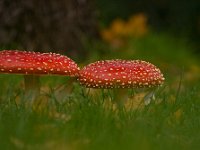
(45, 63)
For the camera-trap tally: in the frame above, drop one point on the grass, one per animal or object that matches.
(66, 117)
(82, 123)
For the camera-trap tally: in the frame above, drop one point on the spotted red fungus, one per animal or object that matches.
(36, 63)
(23, 62)
(108, 74)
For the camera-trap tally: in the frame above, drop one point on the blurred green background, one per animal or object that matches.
(65, 115)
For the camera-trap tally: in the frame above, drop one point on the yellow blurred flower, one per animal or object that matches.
(120, 30)
(118, 27)
(137, 25)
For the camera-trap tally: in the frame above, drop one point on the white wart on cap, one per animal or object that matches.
(23, 62)
(120, 74)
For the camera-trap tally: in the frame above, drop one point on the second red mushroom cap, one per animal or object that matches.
(120, 74)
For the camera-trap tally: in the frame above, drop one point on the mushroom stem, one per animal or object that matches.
(120, 96)
(32, 88)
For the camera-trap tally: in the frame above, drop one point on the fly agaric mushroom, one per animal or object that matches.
(118, 73)
(36, 63)
(23, 62)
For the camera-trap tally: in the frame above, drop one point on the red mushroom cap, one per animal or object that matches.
(23, 62)
(120, 74)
